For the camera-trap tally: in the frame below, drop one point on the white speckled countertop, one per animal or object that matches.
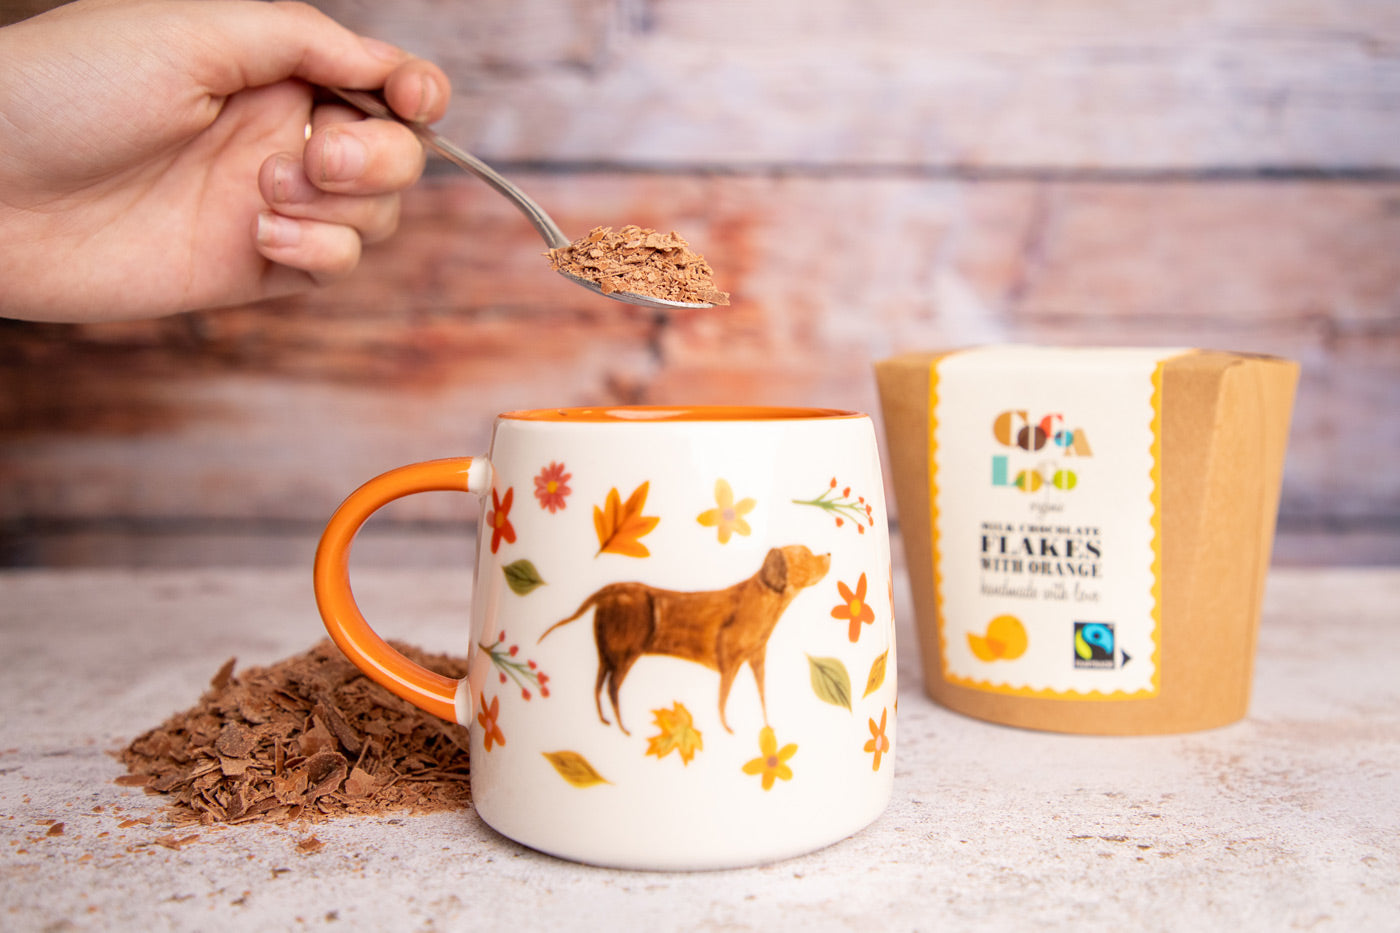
(1288, 820)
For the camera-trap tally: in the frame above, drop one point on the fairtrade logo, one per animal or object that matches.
(1005, 640)
(1015, 429)
(1095, 646)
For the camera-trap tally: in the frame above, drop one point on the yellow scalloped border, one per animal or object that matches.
(933, 517)
(1039, 692)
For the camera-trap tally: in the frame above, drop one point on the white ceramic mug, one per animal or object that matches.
(682, 636)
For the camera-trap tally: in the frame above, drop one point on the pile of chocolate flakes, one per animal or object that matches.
(306, 739)
(639, 260)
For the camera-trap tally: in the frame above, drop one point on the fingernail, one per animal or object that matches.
(289, 183)
(277, 231)
(382, 50)
(427, 97)
(343, 157)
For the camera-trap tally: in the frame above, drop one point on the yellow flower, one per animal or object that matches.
(728, 516)
(772, 763)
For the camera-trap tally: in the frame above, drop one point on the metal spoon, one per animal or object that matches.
(374, 106)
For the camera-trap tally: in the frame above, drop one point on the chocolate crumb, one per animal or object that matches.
(640, 260)
(173, 842)
(307, 739)
(222, 676)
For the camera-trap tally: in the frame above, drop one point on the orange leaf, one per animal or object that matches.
(620, 525)
(678, 733)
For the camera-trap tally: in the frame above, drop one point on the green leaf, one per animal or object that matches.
(575, 769)
(830, 682)
(522, 577)
(877, 674)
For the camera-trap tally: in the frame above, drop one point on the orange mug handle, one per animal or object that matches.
(439, 695)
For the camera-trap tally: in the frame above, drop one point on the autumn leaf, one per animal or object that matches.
(575, 769)
(522, 577)
(619, 524)
(678, 733)
(830, 682)
(877, 674)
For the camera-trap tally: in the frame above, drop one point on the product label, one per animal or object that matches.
(1045, 481)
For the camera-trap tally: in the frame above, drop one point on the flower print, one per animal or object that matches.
(772, 763)
(728, 515)
(879, 743)
(552, 487)
(525, 675)
(491, 729)
(499, 519)
(842, 507)
(853, 607)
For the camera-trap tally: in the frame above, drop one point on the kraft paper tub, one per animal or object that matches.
(1088, 531)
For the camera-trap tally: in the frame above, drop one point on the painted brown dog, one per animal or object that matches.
(720, 629)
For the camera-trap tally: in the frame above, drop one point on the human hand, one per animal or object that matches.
(154, 155)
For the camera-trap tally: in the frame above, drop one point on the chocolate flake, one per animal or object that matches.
(639, 260)
(172, 842)
(307, 739)
(222, 676)
(236, 741)
(310, 845)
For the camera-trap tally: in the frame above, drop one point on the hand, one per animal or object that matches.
(154, 155)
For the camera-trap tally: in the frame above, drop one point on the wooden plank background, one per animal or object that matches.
(865, 177)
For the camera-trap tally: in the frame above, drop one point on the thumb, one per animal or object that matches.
(263, 43)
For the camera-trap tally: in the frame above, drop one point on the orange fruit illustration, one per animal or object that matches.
(1005, 640)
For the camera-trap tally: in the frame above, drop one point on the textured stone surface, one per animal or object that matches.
(1287, 820)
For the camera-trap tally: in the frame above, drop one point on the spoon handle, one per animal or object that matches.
(374, 106)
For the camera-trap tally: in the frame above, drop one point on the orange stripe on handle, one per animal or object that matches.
(347, 626)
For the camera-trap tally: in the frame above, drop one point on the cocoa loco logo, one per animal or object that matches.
(1039, 455)
(1049, 440)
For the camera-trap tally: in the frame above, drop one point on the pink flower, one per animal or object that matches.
(552, 487)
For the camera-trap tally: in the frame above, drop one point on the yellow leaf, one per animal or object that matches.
(619, 525)
(575, 769)
(877, 674)
(678, 733)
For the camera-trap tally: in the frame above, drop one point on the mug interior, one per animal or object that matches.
(671, 413)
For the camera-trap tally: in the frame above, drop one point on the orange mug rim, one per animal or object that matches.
(671, 414)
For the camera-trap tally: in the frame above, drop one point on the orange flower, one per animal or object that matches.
(772, 763)
(487, 720)
(878, 743)
(499, 519)
(853, 607)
